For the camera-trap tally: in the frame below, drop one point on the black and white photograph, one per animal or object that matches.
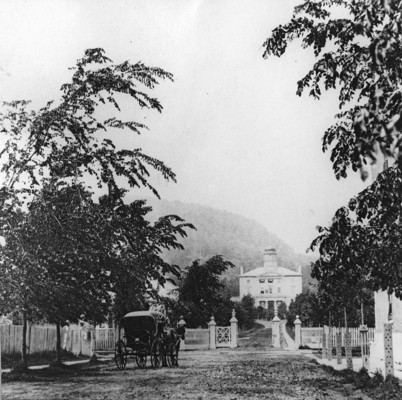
(200, 199)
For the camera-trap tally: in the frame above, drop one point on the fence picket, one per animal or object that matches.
(307, 334)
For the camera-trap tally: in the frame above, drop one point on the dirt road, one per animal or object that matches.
(240, 374)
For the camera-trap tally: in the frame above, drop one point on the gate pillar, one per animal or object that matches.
(233, 330)
(297, 331)
(212, 333)
(276, 342)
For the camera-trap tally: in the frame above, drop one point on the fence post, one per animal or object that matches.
(330, 343)
(182, 324)
(297, 331)
(233, 330)
(338, 341)
(212, 333)
(348, 349)
(388, 350)
(324, 343)
(92, 332)
(275, 331)
(364, 345)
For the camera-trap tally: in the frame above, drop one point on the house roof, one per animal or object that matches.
(271, 271)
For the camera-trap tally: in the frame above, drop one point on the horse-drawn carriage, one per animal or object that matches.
(146, 335)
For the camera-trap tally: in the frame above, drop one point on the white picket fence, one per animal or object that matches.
(312, 337)
(43, 338)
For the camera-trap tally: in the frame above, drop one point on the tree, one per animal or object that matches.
(200, 293)
(307, 306)
(69, 139)
(358, 49)
(51, 152)
(246, 312)
(344, 258)
(138, 247)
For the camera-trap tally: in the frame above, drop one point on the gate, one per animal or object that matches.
(104, 339)
(223, 336)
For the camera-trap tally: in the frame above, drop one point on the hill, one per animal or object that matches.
(238, 239)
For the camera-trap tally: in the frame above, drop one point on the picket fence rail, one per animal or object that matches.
(44, 338)
(313, 336)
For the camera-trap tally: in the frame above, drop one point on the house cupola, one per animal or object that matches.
(270, 259)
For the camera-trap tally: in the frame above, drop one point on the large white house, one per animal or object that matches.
(270, 284)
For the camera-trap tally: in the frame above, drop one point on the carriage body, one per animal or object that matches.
(144, 334)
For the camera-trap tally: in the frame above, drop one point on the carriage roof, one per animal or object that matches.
(156, 315)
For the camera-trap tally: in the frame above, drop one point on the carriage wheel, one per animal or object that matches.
(120, 356)
(173, 355)
(141, 360)
(156, 354)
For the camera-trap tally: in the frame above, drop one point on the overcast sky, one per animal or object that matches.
(232, 128)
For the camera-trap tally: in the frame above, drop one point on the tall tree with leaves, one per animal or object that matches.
(69, 138)
(64, 143)
(357, 45)
(199, 292)
(358, 49)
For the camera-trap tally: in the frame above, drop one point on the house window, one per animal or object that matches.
(262, 280)
(262, 290)
(270, 280)
(270, 290)
(279, 289)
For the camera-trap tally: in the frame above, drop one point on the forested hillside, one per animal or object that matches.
(238, 239)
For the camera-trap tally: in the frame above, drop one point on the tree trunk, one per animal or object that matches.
(346, 317)
(362, 311)
(24, 340)
(58, 343)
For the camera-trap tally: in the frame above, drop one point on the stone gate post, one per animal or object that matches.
(297, 331)
(233, 330)
(212, 333)
(364, 345)
(276, 342)
(348, 349)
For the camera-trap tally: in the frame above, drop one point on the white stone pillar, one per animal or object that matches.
(212, 333)
(276, 340)
(297, 331)
(233, 330)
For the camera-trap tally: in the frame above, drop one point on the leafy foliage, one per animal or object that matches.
(246, 312)
(212, 298)
(358, 49)
(357, 45)
(362, 244)
(318, 308)
(67, 139)
(64, 253)
(200, 291)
